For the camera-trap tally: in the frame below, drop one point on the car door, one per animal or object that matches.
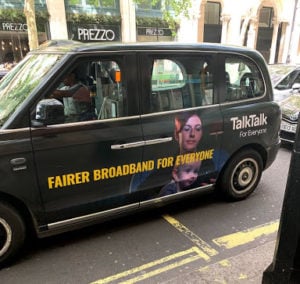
(181, 121)
(85, 166)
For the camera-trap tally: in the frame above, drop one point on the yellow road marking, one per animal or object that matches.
(201, 251)
(243, 237)
(198, 254)
(191, 236)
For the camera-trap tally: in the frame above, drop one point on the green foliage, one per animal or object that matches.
(151, 22)
(96, 19)
(171, 9)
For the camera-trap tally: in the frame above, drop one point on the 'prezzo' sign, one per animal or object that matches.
(94, 32)
(245, 123)
(14, 27)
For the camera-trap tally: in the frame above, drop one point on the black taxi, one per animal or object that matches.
(91, 131)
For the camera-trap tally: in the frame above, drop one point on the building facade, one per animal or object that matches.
(270, 26)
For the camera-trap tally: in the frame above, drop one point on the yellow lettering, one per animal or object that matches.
(50, 182)
(112, 172)
(85, 177)
(132, 169)
(165, 162)
(58, 182)
(125, 170)
(69, 179)
(191, 157)
(96, 175)
(104, 174)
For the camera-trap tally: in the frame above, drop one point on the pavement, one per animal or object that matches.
(247, 267)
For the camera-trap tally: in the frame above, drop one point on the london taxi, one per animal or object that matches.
(160, 122)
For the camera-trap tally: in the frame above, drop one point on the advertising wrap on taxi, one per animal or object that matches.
(55, 182)
(183, 168)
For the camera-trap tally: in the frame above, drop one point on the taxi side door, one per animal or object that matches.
(181, 120)
(84, 167)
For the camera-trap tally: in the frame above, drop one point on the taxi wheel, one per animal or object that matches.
(12, 233)
(241, 175)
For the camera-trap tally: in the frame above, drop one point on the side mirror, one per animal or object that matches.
(49, 111)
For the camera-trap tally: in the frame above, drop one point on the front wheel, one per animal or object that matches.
(241, 175)
(12, 233)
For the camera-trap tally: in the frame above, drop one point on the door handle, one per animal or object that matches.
(127, 145)
(140, 143)
(18, 164)
(158, 140)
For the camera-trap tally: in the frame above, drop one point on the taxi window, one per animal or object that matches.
(243, 79)
(92, 90)
(181, 82)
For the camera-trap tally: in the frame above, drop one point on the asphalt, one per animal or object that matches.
(247, 267)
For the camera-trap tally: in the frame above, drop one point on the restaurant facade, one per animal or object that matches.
(270, 26)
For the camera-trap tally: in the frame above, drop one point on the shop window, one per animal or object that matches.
(146, 4)
(74, 2)
(102, 3)
(93, 3)
(243, 80)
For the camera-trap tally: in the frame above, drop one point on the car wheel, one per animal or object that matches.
(241, 175)
(12, 233)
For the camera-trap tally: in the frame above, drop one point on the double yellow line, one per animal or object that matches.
(201, 250)
(140, 273)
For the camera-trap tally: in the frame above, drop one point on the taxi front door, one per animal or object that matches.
(79, 170)
(86, 167)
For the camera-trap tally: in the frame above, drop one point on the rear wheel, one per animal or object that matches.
(241, 175)
(12, 233)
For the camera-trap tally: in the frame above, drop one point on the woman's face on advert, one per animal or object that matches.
(191, 134)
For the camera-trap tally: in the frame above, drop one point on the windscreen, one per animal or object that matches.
(17, 85)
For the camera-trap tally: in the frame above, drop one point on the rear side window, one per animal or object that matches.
(243, 79)
(181, 82)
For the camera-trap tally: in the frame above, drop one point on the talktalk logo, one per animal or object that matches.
(248, 121)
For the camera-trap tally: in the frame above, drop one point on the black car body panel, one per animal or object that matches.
(165, 122)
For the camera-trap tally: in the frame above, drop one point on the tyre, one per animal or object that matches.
(241, 175)
(12, 233)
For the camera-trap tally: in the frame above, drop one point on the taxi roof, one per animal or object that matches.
(66, 46)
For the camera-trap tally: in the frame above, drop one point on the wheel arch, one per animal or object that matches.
(21, 209)
(254, 146)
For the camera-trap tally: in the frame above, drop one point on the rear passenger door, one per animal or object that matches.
(181, 122)
(244, 99)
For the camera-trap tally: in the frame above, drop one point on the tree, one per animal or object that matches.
(171, 9)
(29, 11)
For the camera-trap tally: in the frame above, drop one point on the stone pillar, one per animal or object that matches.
(201, 21)
(57, 19)
(233, 32)
(252, 33)
(274, 41)
(284, 43)
(128, 25)
(225, 21)
(189, 27)
(295, 34)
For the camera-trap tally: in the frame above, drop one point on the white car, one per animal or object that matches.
(286, 87)
(285, 80)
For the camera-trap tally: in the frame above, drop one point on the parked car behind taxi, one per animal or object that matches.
(286, 85)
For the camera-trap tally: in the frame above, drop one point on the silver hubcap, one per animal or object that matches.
(5, 236)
